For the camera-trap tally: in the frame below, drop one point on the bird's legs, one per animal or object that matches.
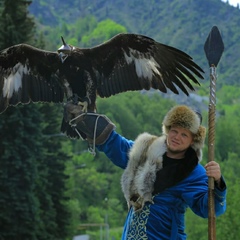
(84, 104)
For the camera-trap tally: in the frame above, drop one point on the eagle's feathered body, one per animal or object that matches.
(125, 62)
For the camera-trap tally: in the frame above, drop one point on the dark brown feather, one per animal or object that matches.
(127, 62)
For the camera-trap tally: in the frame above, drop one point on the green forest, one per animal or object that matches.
(52, 187)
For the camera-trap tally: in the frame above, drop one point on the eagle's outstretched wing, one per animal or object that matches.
(29, 74)
(134, 62)
(125, 62)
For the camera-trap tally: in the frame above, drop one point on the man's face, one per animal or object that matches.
(178, 140)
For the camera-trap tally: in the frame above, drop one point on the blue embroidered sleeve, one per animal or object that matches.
(116, 149)
(220, 195)
(196, 194)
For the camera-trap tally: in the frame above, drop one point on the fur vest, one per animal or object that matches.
(145, 159)
(145, 176)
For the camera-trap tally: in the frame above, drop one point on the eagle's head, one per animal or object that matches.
(64, 50)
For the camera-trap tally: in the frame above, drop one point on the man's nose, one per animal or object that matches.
(177, 135)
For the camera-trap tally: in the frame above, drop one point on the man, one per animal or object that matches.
(162, 175)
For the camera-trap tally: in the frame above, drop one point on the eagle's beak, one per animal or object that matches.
(64, 50)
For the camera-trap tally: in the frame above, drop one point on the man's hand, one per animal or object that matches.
(213, 170)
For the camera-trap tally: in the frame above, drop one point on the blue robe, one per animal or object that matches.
(165, 218)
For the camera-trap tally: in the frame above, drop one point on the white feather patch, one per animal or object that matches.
(145, 67)
(14, 81)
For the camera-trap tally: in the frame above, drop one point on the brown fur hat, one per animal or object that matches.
(185, 117)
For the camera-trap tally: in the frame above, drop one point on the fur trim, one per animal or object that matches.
(182, 116)
(185, 117)
(145, 159)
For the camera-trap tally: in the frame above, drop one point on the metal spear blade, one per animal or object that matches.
(214, 47)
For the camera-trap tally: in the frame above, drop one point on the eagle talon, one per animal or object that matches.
(85, 106)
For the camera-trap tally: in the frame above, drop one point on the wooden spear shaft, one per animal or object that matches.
(213, 48)
(211, 148)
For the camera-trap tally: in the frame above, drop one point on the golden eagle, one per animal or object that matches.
(126, 62)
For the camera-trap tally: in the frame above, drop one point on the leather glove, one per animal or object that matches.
(96, 127)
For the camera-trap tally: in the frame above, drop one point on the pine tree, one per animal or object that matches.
(19, 206)
(16, 26)
(18, 165)
(31, 164)
(54, 163)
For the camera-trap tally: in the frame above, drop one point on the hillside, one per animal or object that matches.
(51, 184)
(182, 24)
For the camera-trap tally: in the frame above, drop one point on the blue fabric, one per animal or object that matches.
(165, 218)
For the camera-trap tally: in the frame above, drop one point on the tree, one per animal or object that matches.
(227, 141)
(18, 164)
(20, 152)
(16, 26)
(103, 32)
(52, 197)
(32, 180)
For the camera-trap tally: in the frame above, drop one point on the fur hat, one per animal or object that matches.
(185, 117)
